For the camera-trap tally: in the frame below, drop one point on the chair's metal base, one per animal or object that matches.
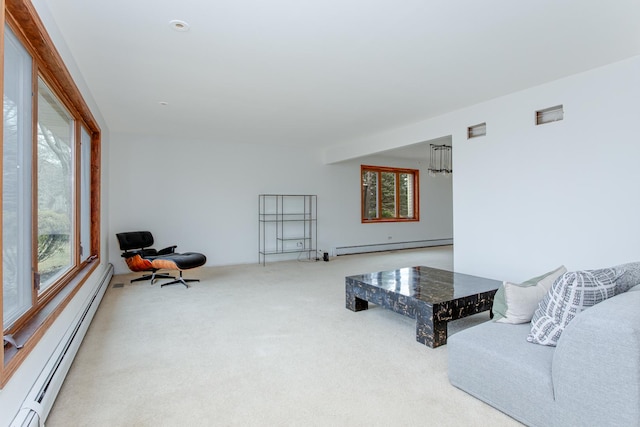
(180, 280)
(153, 277)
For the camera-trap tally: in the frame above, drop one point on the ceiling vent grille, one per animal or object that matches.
(549, 115)
(476, 130)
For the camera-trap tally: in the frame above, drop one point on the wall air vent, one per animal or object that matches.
(477, 130)
(548, 115)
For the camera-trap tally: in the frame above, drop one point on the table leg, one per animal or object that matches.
(429, 330)
(354, 303)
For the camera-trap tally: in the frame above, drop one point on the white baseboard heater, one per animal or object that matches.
(380, 247)
(40, 399)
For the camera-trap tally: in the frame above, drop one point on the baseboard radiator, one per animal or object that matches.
(40, 399)
(380, 247)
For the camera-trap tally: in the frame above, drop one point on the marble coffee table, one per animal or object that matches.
(431, 296)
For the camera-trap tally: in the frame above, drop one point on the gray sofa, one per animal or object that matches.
(591, 378)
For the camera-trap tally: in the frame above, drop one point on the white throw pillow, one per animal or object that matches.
(570, 294)
(515, 303)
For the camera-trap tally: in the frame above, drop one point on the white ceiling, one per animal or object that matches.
(326, 71)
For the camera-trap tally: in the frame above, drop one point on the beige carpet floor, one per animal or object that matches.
(264, 346)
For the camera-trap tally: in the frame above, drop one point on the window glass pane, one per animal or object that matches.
(370, 194)
(406, 195)
(85, 195)
(388, 195)
(16, 181)
(55, 187)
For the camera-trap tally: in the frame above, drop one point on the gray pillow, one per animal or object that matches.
(569, 295)
(629, 276)
(636, 288)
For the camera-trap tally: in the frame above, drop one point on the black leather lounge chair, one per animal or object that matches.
(138, 254)
(146, 259)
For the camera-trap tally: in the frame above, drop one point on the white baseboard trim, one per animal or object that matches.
(40, 399)
(380, 247)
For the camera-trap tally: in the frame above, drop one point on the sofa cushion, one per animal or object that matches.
(570, 294)
(516, 303)
(629, 276)
(596, 365)
(494, 362)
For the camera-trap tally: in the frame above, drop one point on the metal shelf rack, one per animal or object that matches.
(288, 223)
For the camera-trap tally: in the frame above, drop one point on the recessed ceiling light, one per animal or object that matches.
(179, 25)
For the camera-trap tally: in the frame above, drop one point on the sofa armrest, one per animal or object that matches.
(596, 365)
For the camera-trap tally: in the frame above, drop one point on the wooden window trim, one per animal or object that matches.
(416, 193)
(34, 327)
(24, 21)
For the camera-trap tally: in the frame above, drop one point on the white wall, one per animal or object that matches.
(203, 196)
(528, 198)
(200, 195)
(345, 227)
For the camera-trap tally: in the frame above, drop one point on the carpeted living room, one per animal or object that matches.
(489, 140)
(254, 345)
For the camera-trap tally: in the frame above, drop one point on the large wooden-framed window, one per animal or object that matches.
(389, 194)
(50, 185)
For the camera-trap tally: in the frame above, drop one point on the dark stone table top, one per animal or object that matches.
(428, 284)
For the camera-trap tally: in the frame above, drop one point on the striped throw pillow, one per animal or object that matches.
(569, 295)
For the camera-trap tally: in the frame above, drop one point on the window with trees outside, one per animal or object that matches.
(389, 194)
(50, 185)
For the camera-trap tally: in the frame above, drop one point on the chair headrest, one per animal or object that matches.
(135, 240)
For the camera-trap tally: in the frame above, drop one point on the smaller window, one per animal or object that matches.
(476, 130)
(548, 115)
(389, 194)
